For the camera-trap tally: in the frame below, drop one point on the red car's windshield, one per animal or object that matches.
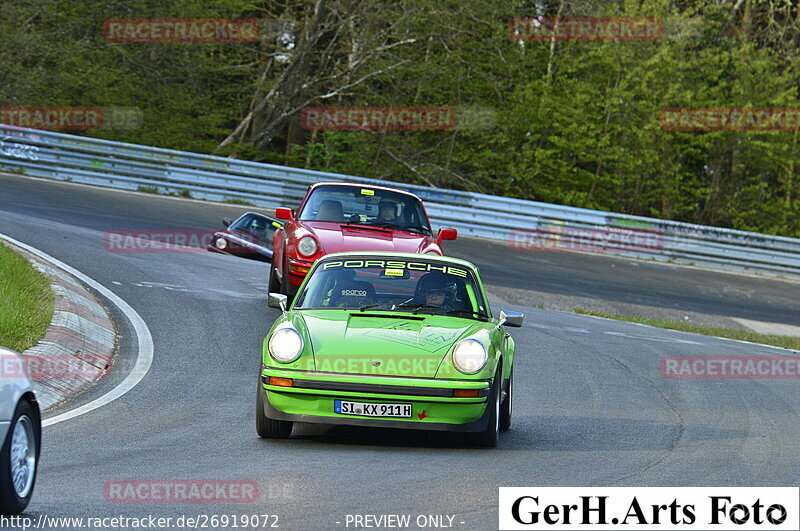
(366, 206)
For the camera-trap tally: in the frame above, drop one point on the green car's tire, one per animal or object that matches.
(274, 283)
(19, 459)
(488, 437)
(266, 427)
(505, 407)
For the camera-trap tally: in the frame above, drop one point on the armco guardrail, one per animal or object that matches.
(525, 225)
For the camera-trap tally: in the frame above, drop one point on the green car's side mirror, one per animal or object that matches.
(511, 318)
(278, 300)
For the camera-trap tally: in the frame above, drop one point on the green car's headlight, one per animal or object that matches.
(470, 356)
(285, 345)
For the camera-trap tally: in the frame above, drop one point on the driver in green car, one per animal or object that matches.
(435, 297)
(439, 291)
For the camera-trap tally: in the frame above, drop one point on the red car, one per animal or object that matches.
(336, 217)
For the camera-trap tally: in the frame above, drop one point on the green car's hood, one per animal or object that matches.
(385, 344)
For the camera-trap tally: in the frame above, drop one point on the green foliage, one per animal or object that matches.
(574, 123)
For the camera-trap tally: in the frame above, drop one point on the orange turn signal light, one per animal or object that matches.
(301, 270)
(465, 393)
(282, 382)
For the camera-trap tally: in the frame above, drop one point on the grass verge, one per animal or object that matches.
(730, 333)
(26, 302)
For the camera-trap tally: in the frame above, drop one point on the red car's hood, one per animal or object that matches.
(335, 237)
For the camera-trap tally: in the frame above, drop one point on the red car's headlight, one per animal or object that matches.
(307, 246)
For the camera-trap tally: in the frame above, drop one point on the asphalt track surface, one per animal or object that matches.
(590, 409)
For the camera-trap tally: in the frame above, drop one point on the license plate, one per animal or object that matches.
(367, 409)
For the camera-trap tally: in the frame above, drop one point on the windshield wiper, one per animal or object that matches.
(418, 230)
(405, 304)
(472, 312)
(415, 308)
(390, 225)
(370, 306)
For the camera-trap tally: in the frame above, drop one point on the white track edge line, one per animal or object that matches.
(782, 349)
(144, 339)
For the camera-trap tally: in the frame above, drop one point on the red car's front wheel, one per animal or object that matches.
(274, 283)
(287, 288)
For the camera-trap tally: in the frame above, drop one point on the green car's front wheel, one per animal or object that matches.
(488, 437)
(266, 427)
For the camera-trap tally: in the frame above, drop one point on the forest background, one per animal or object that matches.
(569, 122)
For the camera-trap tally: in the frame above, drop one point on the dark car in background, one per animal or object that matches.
(249, 236)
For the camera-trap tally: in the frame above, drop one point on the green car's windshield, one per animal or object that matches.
(359, 205)
(417, 286)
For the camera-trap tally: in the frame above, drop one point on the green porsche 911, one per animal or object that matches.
(396, 340)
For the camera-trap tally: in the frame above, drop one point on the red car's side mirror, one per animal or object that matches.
(284, 213)
(446, 234)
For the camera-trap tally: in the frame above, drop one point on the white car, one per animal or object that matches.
(21, 433)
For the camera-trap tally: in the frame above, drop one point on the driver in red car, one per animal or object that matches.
(387, 211)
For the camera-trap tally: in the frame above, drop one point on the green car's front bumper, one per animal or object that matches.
(433, 404)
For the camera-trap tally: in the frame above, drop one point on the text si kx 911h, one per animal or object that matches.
(396, 340)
